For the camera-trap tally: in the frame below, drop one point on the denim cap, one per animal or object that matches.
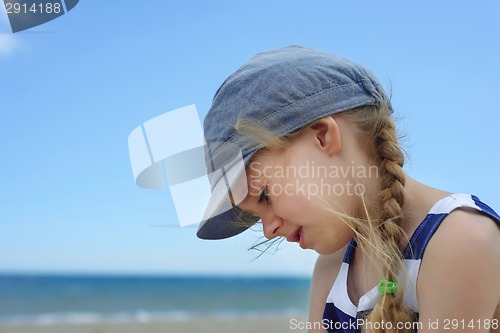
(283, 91)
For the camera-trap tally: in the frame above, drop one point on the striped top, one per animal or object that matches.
(341, 314)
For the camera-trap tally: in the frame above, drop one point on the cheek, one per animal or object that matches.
(289, 204)
(298, 208)
(303, 198)
(331, 236)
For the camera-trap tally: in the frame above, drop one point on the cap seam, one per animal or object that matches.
(312, 95)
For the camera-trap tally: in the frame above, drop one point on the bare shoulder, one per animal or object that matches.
(325, 272)
(458, 277)
(466, 232)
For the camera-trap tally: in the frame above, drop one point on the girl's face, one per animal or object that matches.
(287, 189)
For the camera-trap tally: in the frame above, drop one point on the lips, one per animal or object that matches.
(296, 236)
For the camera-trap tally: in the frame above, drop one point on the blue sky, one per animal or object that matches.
(73, 89)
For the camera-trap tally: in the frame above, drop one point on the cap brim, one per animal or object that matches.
(225, 225)
(222, 218)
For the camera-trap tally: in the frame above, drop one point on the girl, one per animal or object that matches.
(323, 168)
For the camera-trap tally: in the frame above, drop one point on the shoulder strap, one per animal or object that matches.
(426, 229)
(349, 251)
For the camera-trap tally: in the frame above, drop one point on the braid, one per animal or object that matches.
(391, 198)
(390, 158)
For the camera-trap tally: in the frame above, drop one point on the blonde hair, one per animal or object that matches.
(379, 237)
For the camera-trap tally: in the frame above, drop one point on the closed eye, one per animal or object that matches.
(264, 196)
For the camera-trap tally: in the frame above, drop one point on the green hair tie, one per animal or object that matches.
(386, 287)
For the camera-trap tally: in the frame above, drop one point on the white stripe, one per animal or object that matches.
(368, 300)
(448, 204)
(338, 294)
(410, 296)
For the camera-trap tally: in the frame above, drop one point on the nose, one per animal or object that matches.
(272, 226)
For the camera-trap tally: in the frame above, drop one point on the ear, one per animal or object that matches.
(327, 135)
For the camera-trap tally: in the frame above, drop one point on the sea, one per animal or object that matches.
(81, 299)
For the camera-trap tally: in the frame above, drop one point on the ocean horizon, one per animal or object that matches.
(44, 299)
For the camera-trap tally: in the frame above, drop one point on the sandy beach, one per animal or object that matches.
(199, 325)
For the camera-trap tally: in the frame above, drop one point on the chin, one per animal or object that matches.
(326, 250)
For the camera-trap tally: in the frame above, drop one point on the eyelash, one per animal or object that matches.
(264, 196)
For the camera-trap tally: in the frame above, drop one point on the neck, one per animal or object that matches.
(419, 199)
